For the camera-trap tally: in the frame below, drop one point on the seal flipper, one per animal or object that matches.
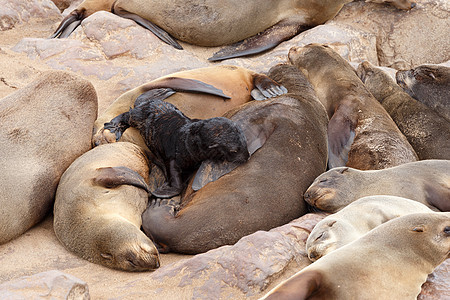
(185, 85)
(266, 88)
(118, 125)
(112, 177)
(172, 187)
(255, 134)
(156, 30)
(68, 24)
(153, 95)
(300, 286)
(341, 133)
(265, 40)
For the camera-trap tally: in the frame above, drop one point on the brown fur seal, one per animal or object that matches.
(426, 131)
(255, 27)
(179, 144)
(98, 207)
(429, 84)
(426, 181)
(293, 130)
(361, 134)
(44, 127)
(201, 94)
(355, 220)
(392, 261)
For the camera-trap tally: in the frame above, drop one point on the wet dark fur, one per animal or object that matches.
(179, 143)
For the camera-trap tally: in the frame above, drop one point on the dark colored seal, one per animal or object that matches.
(427, 131)
(179, 144)
(429, 84)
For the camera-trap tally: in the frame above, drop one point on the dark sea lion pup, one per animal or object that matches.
(179, 143)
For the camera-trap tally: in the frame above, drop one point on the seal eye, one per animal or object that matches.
(320, 236)
(323, 180)
(418, 229)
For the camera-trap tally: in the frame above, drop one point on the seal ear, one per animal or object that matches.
(343, 170)
(112, 177)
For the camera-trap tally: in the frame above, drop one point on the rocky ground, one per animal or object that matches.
(116, 55)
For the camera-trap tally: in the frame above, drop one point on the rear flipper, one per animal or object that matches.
(173, 186)
(118, 125)
(263, 41)
(156, 30)
(266, 88)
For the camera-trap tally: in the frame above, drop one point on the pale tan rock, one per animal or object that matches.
(52, 284)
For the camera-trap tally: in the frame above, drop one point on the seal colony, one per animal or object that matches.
(179, 144)
(200, 94)
(361, 134)
(293, 152)
(427, 131)
(391, 261)
(255, 27)
(98, 207)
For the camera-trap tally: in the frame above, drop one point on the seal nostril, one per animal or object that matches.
(447, 230)
(312, 256)
(413, 5)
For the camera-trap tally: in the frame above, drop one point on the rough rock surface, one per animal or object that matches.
(14, 12)
(52, 284)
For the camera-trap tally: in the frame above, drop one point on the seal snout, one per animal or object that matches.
(447, 230)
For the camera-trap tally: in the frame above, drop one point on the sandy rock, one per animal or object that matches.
(51, 285)
(405, 39)
(14, 12)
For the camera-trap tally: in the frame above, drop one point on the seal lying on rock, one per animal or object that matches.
(263, 193)
(429, 84)
(255, 27)
(392, 261)
(426, 181)
(179, 144)
(361, 134)
(355, 220)
(44, 127)
(98, 207)
(200, 94)
(426, 130)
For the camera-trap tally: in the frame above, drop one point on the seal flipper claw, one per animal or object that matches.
(263, 41)
(118, 125)
(156, 30)
(266, 88)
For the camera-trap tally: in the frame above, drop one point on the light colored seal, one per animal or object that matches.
(426, 181)
(429, 84)
(44, 127)
(355, 220)
(361, 134)
(392, 261)
(254, 27)
(427, 131)
(291, 133)
(98, 207)
(200, 94)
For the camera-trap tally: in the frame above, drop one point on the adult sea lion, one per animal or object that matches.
(253, 26)
(392, 261)
(361, 134)
(263, 193)
(179, 144)
(355, 220)
(426, 181)
(429, 84)
(98, 207)
(200, 94)
(44, 127)
(426, 130)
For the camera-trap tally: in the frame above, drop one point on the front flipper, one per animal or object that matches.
(266, 88)
(185, 85)
(172, 187)
(263, 41)
(156, 30)
(118, 125)
(154, 95)
(300, 286)
(209, 171)
(341, 133)
(112, 177)
(68, 24)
